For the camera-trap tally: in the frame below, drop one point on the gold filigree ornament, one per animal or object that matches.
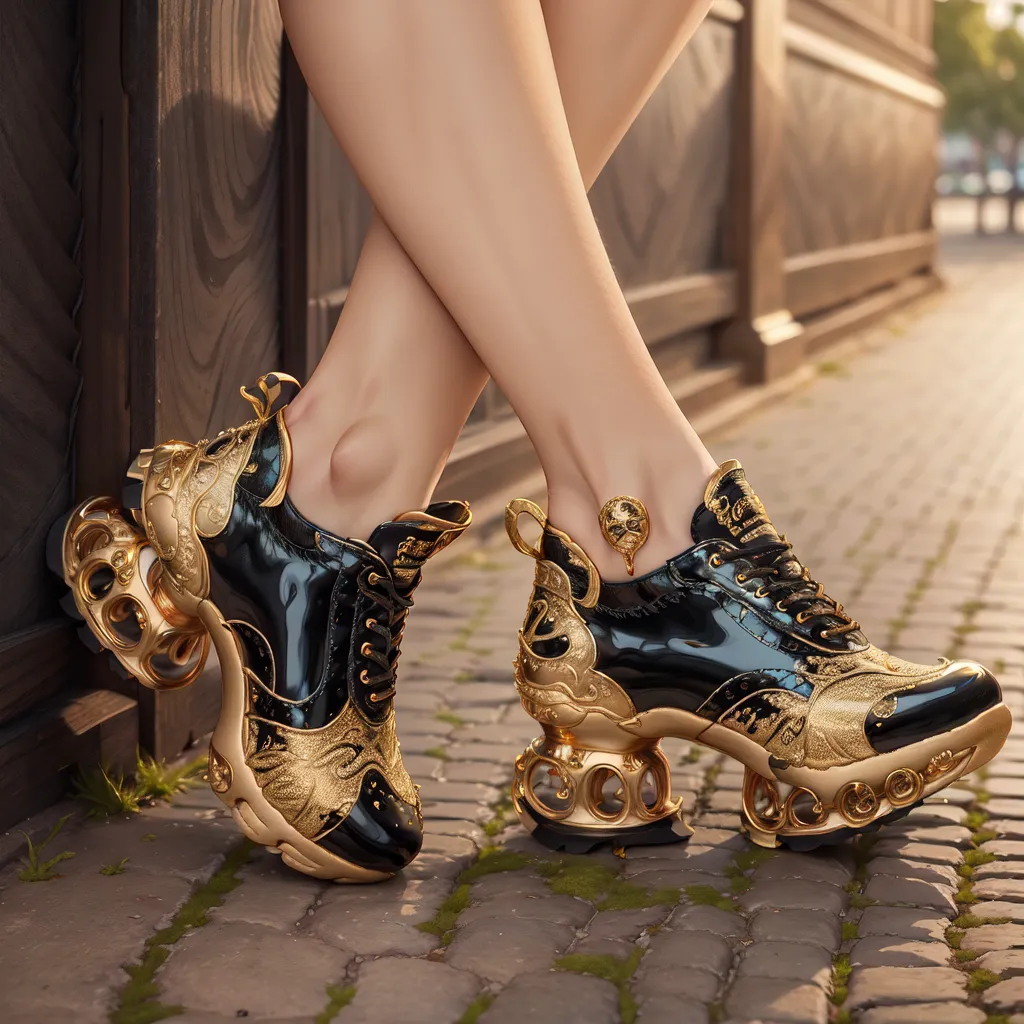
(119, 588)
(314, 776)
(626, 526)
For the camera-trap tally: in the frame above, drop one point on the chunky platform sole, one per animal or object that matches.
(161, 634)
(591, 781)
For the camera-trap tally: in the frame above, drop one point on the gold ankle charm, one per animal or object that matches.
(626, 526)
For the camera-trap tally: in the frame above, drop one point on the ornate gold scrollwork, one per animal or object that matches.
(903, 787)
(857, 802)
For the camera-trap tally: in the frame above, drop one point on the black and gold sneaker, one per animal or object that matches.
(731, 644)
(306, 626)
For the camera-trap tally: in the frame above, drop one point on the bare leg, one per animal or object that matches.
(485, 245)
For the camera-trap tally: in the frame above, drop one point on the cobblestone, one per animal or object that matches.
(759, 943)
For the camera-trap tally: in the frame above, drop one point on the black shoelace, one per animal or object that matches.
(782, 574)
(381, 590)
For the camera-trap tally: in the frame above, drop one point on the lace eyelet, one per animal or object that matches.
(715, 561)
(802, 617)
(760, 592)
(364, 678)
(741, 577)
(366, 650)
(370, 623)
(373, 577)
(780, 606)
(376, 698)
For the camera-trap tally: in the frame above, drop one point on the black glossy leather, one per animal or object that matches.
(381, 832)
(319, 619)
(705, 632)
(954, 699)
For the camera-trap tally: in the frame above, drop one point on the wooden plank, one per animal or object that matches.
(217, 208)
(825, 279)
(672, 307)
(103, 428)
(40, 286)
(762, 334)
(819, 48)
(40, 751)
(34, 665)
(297, 356)
(853, 23)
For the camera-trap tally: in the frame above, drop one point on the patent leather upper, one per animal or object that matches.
(712, 630)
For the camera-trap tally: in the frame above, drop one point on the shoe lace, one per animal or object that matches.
(393, 611)
(782, 574)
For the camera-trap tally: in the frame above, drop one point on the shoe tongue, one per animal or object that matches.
(407, 541)
(731, 510)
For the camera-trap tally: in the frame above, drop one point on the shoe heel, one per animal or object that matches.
(118, 591)
(575, 798)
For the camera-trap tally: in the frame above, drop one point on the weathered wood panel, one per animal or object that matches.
(660, 201)
(217, 209)
(40, 284)
(860, 159)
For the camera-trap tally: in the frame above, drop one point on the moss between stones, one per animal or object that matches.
(443, 922)
(338, 996)
(137, 1003)
(449, 718)
(598, 884)
(973, 921)
(851, 930)
(841, 969)
(975, 858)
(476, 1008)
(439, 752)
(745, 862)
(965, 894)
(617, 970)
(492, 861)
(980, 979)
(708, 896)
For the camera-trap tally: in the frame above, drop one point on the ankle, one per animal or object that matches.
(670, 498)
(349, 477)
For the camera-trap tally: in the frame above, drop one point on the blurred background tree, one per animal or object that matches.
(980, 64)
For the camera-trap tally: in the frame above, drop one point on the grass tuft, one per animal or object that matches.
(114, 869)
(975, 858)
(155, 780)
(107, 793)
(338, 997)
(964, 956)
(851, 931)
(439, 752)
(36, 869)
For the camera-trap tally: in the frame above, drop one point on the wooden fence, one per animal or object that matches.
(182, 220)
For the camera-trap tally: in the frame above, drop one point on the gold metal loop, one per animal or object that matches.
(715, 561)
(366, 650)
(513, 510)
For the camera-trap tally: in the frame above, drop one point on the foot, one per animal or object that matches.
(306, 625)
(733, 645)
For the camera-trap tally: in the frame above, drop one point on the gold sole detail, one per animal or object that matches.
(585, 788)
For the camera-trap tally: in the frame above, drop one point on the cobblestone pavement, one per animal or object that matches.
(898, 474)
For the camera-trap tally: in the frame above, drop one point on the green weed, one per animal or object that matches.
(36, 869)
(106, 793)
(114, 869)
(155, 780)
